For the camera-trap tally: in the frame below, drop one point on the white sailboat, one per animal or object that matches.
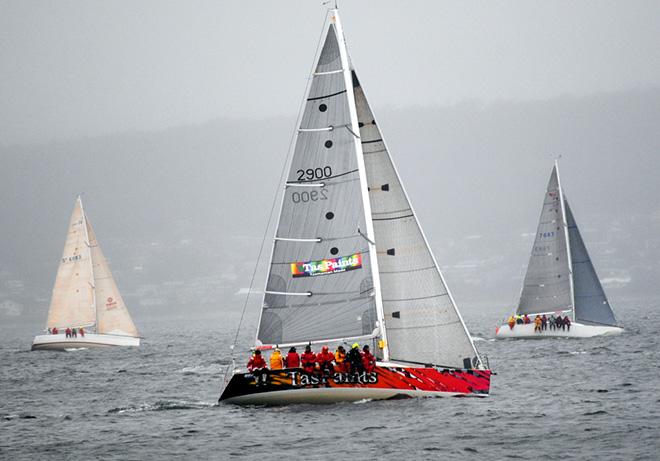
(561, 279)
(350, 262)
(85, 295)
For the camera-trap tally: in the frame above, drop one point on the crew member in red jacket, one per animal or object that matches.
(292, 359)
(308, 359)
(325, 358)
(256, 362)
(368, 359)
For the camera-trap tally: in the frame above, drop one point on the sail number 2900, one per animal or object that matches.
(314, 173)
(310, 196)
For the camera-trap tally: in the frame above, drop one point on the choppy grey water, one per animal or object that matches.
(551, 399)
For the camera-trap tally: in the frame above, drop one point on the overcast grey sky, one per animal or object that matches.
(81, 68)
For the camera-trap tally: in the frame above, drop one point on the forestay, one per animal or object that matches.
(547, 285)
(72, 303)
(591, 304)
(319, 284)
(112, 314)
(421, 320)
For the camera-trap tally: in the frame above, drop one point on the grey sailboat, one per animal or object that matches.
(561, 279)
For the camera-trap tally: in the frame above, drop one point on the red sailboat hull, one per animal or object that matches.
(384, 382)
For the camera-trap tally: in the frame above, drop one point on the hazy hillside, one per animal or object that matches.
(180, 213)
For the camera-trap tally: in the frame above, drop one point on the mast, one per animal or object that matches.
(369, 236)
(564, 225)
(91, 262)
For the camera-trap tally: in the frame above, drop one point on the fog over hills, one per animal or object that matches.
(180, 213)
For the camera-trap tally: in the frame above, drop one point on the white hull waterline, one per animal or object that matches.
(577, 330)
(335, 395)
(61, 342)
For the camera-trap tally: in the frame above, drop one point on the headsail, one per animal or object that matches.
(72, 302)
(112, 315)
(591, 304)
(547, 285)
(421, 319)
(320, 284)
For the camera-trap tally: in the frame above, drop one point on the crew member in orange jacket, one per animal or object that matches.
(325, 358)
(368, 359)
(276, 360)
(256, 362)
(308, 359)
(292, 359)
(340, 359)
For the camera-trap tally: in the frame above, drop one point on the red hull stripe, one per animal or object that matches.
(409, 379)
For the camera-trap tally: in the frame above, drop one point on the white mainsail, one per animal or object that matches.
(112, 316)
(72, 302)
(344, 202)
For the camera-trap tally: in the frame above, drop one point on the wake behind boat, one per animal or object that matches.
(350, 263)
(86, 308)
(561, 282)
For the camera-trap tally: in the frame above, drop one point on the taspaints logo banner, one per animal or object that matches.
(327, 266)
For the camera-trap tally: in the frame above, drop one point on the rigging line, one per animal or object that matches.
(351, 131)
(285, 164)
(316, 98)
(396, 217)
(365, 237)
(261, 248)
